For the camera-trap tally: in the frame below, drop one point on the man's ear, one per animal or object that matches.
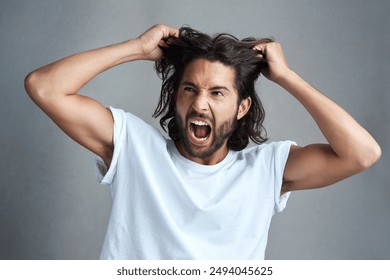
(244, 107)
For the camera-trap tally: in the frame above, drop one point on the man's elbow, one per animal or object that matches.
(370, 156)
(34, 86)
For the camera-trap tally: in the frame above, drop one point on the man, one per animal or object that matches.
(200, 194)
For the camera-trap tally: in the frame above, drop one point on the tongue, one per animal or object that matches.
(201, 131)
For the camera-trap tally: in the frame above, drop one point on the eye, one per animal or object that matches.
(218, 93)
(189, 89)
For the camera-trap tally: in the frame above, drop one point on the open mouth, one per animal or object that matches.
(200, 130)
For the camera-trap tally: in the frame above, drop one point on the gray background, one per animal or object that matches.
(50, 204)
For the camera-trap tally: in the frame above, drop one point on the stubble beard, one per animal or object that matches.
(219, 135)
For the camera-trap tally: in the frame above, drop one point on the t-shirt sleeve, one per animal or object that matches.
(281, 152)
(106, 175)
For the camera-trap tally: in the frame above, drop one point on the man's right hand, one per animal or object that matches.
(154, 37)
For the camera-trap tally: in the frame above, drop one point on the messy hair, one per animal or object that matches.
(228, 50)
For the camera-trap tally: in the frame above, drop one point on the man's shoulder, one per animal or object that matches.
(131, 124)
(266, 149)
(254, 148)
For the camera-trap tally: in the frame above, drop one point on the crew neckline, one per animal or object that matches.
(194, 165)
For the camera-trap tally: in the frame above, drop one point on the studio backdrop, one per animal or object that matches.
(51, 206)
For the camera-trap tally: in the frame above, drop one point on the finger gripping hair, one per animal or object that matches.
(228, 50)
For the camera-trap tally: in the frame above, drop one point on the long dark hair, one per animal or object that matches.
(228, 50)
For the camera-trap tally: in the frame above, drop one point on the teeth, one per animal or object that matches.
(200, 123)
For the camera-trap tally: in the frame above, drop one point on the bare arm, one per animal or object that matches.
(351, 148)
(54, 88)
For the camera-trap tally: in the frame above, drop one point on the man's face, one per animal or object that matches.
(207, 110)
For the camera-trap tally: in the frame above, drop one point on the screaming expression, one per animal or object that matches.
(200, 136)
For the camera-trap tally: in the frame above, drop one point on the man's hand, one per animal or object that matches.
(151, 40)
(272, 53)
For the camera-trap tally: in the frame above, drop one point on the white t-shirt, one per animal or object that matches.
(165, 206)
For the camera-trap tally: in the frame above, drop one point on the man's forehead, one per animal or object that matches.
(210, 74)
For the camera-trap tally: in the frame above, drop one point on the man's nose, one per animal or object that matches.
(200, 102)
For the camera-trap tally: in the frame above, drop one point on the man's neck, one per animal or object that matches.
(215, 158)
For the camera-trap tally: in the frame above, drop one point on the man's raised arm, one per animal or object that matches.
(351, 148)
(54, 88)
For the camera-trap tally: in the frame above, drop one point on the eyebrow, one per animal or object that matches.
(187, 83)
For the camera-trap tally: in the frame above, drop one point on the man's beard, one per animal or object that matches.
(219, 135)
